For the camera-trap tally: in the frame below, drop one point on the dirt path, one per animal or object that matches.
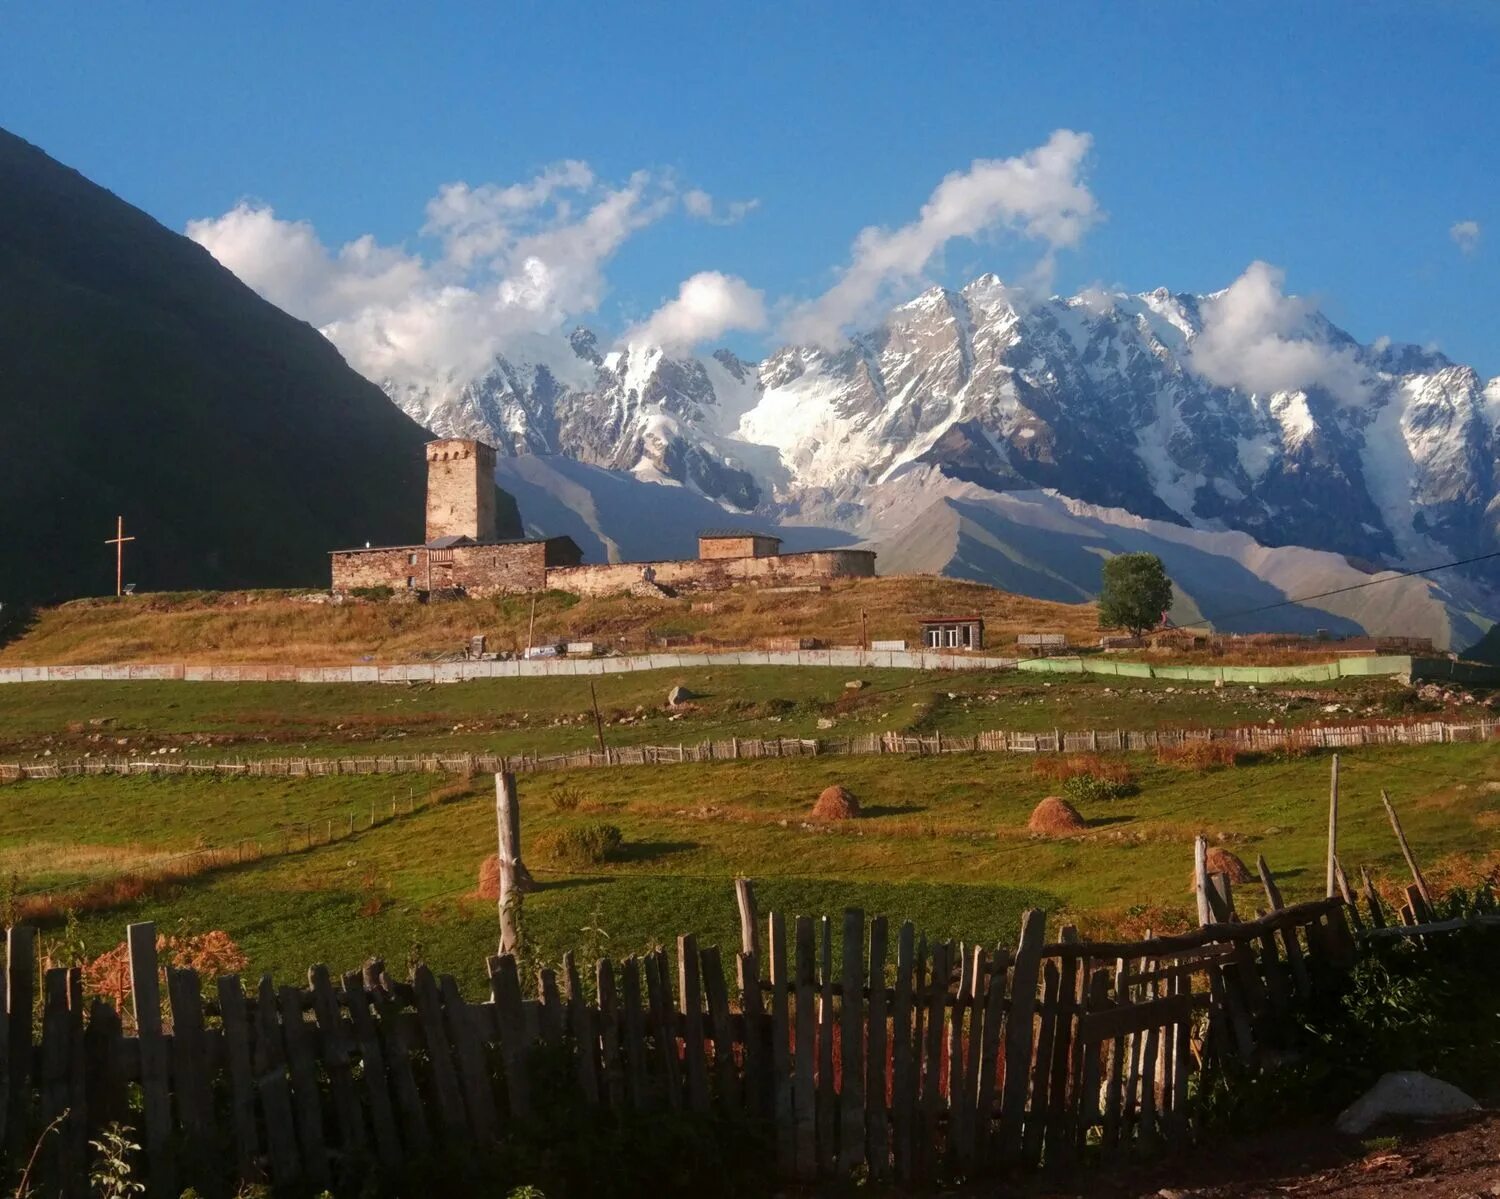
(1441, 1160)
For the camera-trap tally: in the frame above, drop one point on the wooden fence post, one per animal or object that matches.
(508, 823)
(1333, 825)
(145, 998)
(744, 897)
(1411, 861)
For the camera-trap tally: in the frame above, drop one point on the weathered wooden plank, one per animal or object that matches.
(727, 1081)
(1086, 1110)
(1411, 861)
(190, 1082)
(269, 1061)
(337, 1050)
(105, 1081)
(1146, 1132)
(611, 1069)
(804, 1100)
(1182, 1052)
(1019, 1035)
(6, 1080)
(989, 1052)
(550, 1014)
(851, 1117)
(581, 1028)
(505, 991)
(690, 1000)
(955, 1051)
(664, 1027)
(1041, 1069)
(301, 1063)
(1059, 1135)
(445, 1087)
(373, 1075)
(637, 1071)
(744, 898)
(52, 1081)
(756, 1048)
(400, 1043)
(1132, 1018)
(905, 1053)
(1372, 899)
(877, 1123)
(156, 1093)
(469, 1055)
(929, 1151)
(827, 1101)
(781, 1055)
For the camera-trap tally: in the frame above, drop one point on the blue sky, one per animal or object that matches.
(1340, 142)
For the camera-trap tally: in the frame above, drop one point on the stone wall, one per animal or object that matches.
(460, 489)
(748, 546)
(715, 573)
(479, 570)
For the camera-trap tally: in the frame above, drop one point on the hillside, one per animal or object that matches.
(140, 378)
(277, 628)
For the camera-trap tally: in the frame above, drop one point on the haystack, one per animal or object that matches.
(836, 803)
(489, 879)
(1055, 817)
(1221, 861)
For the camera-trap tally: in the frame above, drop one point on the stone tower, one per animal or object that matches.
(460, 489)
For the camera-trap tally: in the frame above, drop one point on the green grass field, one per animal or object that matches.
(549, 715)
(942, 842)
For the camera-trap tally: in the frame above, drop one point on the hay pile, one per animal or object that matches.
(489, 879)
(836, 803)
(1221, 861)
(1055, 817)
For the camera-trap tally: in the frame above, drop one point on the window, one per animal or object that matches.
(411, 583)
(411, 558)
(934, 638)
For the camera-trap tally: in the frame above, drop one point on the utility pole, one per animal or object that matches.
(864, 629)
(531, 628)
(1333, 827)
(118, 541)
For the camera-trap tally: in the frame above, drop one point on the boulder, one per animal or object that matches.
(678, 696)
(1404, 1093)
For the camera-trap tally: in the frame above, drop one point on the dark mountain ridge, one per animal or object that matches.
(138, 377)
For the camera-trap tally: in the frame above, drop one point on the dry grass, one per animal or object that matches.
(1199, 755)
(1059, 769)
(273, 627)
(118, 890)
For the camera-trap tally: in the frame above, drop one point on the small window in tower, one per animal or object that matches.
(411, 583)
(411, 558)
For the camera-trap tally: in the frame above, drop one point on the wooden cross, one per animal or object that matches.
(118, 541)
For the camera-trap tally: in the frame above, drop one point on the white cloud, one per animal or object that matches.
(1258, 338)
(1465, 235)
(1039, 195)
(707, 306)
(698, 204)
(511, 260)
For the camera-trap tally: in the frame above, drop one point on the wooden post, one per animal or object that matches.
(1200, 880)
(1333, 826)
(531, 627)
(598, 722)
(1411, 861)
(508, 822)
(145, 995)
(744, 897)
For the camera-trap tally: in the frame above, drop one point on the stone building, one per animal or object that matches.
(462, 554)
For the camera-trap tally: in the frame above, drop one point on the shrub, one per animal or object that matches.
(380, 593)
(586, 845)
(1086, 787)
(567, 799)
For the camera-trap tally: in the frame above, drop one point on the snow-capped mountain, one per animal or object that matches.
(1117, 401)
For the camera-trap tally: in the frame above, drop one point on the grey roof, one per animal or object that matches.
(719, 534)
(448, 542)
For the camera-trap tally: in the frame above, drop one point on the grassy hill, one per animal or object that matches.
(140, 378)
(276, 627)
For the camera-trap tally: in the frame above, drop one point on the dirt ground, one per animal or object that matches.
(1453, 1159)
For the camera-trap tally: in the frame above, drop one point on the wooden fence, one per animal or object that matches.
(1252, 739)
(893, 1055)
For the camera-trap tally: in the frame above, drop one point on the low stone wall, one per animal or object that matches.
(480, 570)
(716, 574)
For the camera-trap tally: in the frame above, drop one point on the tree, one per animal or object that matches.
(1134, 594)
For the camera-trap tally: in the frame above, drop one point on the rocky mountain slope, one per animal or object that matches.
(138, 377)
(1389, 458)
